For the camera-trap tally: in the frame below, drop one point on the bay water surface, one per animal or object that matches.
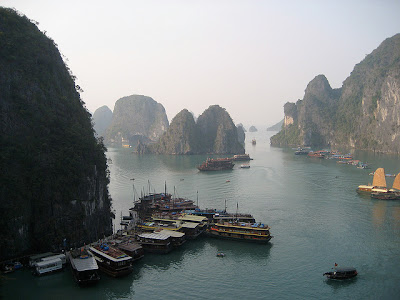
(316, 217)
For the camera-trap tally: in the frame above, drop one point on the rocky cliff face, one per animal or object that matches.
(214, 132)
(363, 114)
(53, 170)
(182, 136)
(136, 118)
(253, 129)
(218, 132)
(102, 119)
(241, 134)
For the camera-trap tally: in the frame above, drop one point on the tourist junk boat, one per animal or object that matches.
(241, 157)
(378, 183)
(341, 273)
(392, 194)
(128, 245)
(112, 261)
(216, 164)
(84, 266)
(249, 232)
(155, 242)
(177, 238)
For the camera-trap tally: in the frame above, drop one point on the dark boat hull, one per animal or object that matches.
(114, 272)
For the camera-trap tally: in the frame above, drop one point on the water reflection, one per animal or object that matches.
(379, 213)
(174, 258)
(336, 285)
(236, 249)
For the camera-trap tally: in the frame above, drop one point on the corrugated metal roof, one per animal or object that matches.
(190, 225)
(84, 264)
(193, 218)
(154, 236)
(172, 233)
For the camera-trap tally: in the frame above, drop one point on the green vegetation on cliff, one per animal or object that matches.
(136, 118)
(53, 170)
(363, 114)
(214, 132)
(181, 136)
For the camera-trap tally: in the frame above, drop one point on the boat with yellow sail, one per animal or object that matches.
(378, 183)
(392, 194)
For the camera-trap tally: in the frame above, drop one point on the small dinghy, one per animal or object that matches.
(220, 254)
(341, 273)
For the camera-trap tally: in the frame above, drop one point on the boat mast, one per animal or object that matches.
(197, 203)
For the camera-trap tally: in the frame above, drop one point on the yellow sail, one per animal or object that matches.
(396, 183)
(379, 178)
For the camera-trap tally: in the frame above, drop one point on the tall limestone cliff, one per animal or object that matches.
(214, 132)
(53, 169)
(241, 133)
(102, 119)
(218, 132)
(363, 114)
(136, 119)
(182, 136)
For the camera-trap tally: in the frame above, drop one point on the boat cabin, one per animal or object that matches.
(155, 242)
(48, 266)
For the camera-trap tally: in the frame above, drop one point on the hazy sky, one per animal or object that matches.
(248, 56)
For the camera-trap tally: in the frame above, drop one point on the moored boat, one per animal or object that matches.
(216, 164)
(341, 273)
(112, 261)
(84, 266)
(155, 242)
(378, 183)
(241, 157)
(249, 232)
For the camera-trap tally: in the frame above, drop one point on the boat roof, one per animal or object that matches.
(115, 259)
(171, 233)
(84, 263)
(154, 236)
(47, 262)
(190, 225)
(61, 256)
(38, 256)
(192, 218)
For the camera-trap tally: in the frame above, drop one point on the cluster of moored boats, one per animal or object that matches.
(378, 189)
(158, 223)
(326, 154)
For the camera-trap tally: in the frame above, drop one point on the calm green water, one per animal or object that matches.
(315, 215)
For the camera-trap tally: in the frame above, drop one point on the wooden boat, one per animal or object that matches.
(392, 194)
(48, 266)
(241, 157)
(301, 151)
(249, 232)
(217, 164)
(378, 183)
(84, 266)
(128, 245)
(341, 273)
(112, 261)
(177, 238)
(155, 242)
